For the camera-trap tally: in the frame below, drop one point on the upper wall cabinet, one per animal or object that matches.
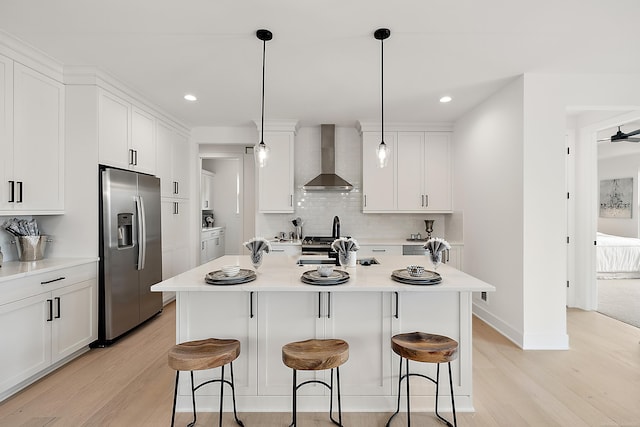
(31, 141)
(173, 162)
(417, 177)
(275, 180)
(126, 135)
(424, 177)
(378, 184)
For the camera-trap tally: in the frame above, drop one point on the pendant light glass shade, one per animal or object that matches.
(260, 150)
(261, 154)
(383, 152)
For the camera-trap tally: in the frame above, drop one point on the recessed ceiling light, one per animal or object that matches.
(190, 97)
(445, 99)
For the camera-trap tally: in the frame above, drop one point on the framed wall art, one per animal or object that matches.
(616, 198)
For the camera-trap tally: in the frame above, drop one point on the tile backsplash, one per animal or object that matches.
(317, 209)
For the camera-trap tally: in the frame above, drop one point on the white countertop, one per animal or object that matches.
(366, 241)
(280, 273)
(11, 270)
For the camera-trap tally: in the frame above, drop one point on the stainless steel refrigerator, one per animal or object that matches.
(130, 251)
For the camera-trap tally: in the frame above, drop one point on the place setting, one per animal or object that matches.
(416, 275)
(324, 275)
(230, 275)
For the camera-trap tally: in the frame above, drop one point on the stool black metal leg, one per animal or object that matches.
(399, 386)
(339, 422)
(339, 402)
(453, 404)
(455, 422)
(175, 397)
(233, 396)
(193, 399)
(293, 422)
(221, 394)
(408, 395)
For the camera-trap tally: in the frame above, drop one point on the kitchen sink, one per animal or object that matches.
(317, 261)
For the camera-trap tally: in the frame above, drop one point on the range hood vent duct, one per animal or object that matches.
(328, 180)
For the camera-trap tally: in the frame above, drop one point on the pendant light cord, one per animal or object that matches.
(264, 49)
(382, 88)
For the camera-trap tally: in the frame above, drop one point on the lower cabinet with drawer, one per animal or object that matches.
(45, 318)
(373, 250)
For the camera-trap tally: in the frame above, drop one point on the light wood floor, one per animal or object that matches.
(596, 383)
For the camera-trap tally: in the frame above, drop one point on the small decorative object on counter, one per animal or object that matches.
(30, 244)
(257, 247)
(436, 246)
(346, 249)
(415, 270)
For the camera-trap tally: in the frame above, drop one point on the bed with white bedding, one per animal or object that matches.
(617, 257)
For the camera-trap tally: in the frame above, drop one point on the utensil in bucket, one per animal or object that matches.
(31, 248)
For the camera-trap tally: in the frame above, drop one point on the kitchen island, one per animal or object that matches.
(367, 311)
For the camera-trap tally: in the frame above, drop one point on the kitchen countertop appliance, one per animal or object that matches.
(130, 252)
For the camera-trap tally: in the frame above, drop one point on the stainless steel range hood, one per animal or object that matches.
(327, 180)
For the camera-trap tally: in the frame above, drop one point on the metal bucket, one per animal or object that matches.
(31, 248)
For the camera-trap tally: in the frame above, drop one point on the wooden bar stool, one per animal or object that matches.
(429, 348)
(200, 355)
(316, 355)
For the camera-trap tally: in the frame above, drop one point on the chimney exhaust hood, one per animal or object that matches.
(327, 180)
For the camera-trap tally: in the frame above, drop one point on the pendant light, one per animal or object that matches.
(383, 152)
(260, 150)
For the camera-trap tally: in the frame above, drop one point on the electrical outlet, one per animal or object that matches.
(483, 295)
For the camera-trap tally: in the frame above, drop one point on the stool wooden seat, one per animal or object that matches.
(316, 355)
(204, 354)
(426, 348)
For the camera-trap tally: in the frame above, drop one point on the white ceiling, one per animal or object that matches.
(323, 64)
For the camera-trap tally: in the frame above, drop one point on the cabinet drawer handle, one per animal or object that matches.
(329, 306)
(50, 315)
(130, 156)
(378, 250)
(135, 157)
(422, 203)
(19, 192)
(53, 280)
(251, 305)
(396, 315)
(365, 200)
(426, 200)
(12, 190)
(58, 307)
(277, 250)
(291, 200)
(319, 306)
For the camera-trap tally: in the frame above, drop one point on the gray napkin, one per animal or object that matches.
(435, 246)
(256, 247)
(345, 245)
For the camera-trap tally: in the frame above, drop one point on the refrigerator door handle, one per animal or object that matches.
(142, 233)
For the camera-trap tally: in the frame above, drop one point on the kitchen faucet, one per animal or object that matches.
(335, 231)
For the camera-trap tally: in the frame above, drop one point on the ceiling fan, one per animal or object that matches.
(623, 137)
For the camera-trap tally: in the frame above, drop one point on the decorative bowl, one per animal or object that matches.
(325, 270)
(231, 270)
(415, 270)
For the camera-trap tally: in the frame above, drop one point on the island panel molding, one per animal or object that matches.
(367, 311)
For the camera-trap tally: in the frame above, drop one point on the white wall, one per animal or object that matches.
(227, 201)
(488, 161)
(621, 167)
(542, 268)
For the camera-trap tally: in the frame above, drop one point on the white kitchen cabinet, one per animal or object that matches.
(291, 249)
(212, 244)
(366, 251)
(175, 236)
(424, 172)
(126, 135)
(348, 316)
(57, 315)
(453, 256)
(378, 184)
(275, 180)
(31, 141)
(417, 178)
(173, 162)
(206, 190)
(237, 311)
